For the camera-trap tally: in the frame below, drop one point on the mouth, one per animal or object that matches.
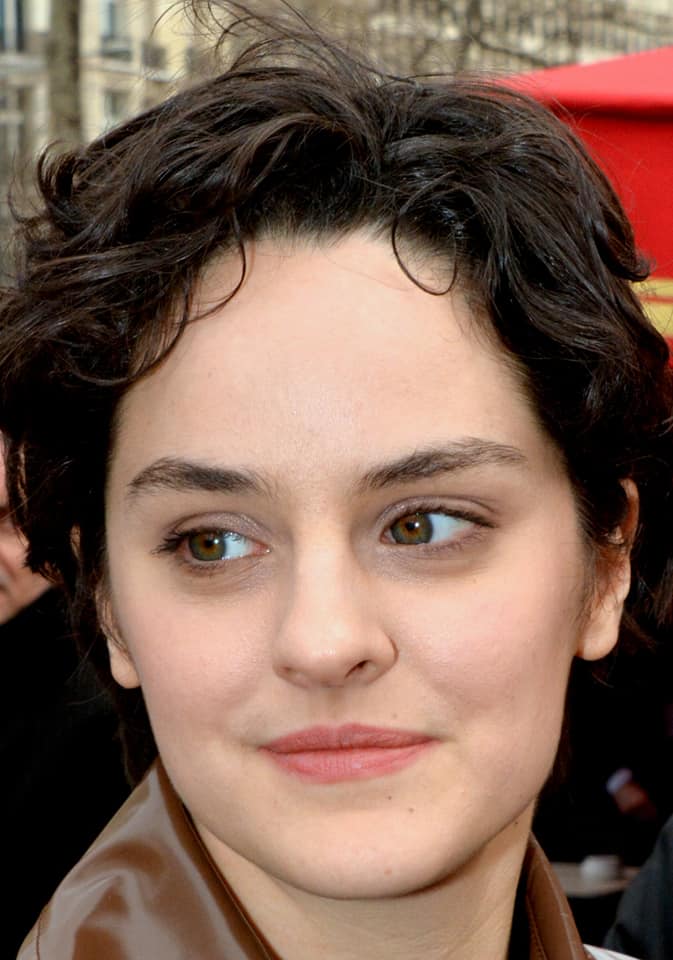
(349, 752)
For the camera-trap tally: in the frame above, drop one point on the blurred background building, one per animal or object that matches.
(71, 68)
(416, 36)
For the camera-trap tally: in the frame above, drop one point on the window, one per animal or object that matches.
(115, 41)
(11, 25)
(113, 18)
(15, 109)
(153, 56)
(115, 106)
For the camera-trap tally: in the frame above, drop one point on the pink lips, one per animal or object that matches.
(350, 752)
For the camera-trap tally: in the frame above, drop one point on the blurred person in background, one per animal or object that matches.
(644, 923)
(613, 791)
(19, 586)
(61, 762)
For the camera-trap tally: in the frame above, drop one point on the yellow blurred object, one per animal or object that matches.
(657, 296)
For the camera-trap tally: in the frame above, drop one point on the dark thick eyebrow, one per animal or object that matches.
(174, 473)
(463, 454)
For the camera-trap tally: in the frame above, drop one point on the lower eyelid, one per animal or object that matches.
(463, 539)
(205, 568)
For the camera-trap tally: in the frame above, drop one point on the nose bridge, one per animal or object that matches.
(329, 633)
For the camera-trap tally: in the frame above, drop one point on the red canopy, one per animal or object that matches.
(623, 110)
(641, 83)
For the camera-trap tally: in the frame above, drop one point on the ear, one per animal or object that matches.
(121, 663)
(613, 581)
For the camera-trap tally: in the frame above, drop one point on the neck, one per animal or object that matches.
(465, 915)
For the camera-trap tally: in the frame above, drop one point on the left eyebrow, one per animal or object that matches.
(462, 454)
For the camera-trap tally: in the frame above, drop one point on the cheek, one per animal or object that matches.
(496, 648)
(196, 662)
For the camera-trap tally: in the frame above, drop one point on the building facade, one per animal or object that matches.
(133, 53)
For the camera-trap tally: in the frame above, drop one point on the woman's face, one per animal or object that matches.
(19, 586)
(345, 567)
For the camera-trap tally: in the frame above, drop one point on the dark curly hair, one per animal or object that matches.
(300, 137)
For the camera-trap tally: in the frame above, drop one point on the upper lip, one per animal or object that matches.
(351, 736)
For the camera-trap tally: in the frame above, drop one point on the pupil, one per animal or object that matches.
(416, 528)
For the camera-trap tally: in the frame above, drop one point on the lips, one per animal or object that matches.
(350, 752)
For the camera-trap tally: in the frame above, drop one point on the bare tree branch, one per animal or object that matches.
(65, 108)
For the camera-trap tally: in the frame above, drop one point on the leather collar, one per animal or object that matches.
(148, 888)
(552, 934)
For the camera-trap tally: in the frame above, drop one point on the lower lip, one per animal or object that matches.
(358, 763)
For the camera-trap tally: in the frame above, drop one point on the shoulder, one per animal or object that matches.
(644, 921)
(146, 888)
(599, 953)
(108, 889)
(28, 950)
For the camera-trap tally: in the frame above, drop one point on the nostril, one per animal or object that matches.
(358, 668)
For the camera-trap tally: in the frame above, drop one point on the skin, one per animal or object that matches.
(19, 586)
(328, 364)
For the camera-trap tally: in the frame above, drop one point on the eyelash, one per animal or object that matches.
(174, 541)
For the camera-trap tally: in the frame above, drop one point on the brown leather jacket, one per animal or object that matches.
(147, 889)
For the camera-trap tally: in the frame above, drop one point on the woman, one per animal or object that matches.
(330, 401)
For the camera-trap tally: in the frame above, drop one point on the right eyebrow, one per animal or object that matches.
(176, 473)
(464, 454)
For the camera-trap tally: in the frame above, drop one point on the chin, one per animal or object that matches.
(386, 883)
(407, 863)
(371, 874)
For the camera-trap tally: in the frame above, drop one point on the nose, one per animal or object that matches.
(329, 634)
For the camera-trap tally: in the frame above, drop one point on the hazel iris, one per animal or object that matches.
(412, 529)
(209, 545)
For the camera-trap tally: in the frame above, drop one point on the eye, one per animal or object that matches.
(426, 527)
(211, 546)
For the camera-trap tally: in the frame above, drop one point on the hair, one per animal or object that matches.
(300, 138)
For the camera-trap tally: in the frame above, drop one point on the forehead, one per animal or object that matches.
(326, 358)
